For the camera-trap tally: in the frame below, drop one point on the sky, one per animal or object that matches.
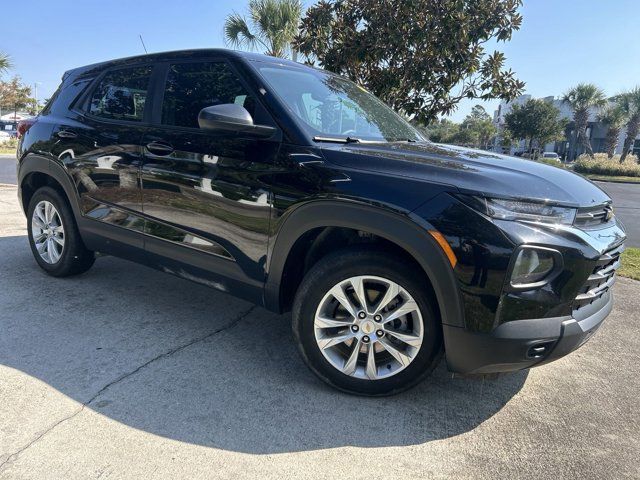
(561, 42)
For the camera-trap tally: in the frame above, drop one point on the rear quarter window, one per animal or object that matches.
(121, 94)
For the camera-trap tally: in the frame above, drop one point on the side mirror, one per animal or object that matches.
(230, 117)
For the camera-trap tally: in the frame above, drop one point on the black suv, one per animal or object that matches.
(296, 189)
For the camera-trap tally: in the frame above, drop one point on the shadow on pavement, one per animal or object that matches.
(176, 359)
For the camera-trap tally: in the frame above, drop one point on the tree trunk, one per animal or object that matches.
(582, 120)
(632, 132)
(612, 141)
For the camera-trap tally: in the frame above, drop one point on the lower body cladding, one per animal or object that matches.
(523, 343)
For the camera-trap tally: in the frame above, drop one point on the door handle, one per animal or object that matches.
(66, 134)
(159, 148)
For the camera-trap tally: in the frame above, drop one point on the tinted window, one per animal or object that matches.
(191, 87)
(122, 94)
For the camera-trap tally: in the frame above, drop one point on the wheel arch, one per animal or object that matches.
(409, 234)
(36, 171)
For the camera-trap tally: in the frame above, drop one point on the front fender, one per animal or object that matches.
(408, 232)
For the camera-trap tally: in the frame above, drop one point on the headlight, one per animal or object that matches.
(519, 210)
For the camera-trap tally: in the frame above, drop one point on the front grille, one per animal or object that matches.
(601, 279)
(590, 217)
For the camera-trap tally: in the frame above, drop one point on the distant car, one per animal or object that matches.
(4, 135)
(551, 156)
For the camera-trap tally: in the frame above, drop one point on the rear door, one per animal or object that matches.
(102, 150)
(205, 194)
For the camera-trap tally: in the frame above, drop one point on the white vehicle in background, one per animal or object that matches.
(4, 136)
(551, 156)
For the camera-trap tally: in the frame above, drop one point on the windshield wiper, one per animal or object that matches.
(338, 139)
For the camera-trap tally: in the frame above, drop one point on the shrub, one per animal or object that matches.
(601, 165)
(11, 143)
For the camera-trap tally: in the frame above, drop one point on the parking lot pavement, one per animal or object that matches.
(8, 169)
(125, 372)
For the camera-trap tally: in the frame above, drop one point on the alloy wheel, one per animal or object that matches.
(368, 327)
(47, 232)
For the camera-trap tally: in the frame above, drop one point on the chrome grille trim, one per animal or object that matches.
(601, 279)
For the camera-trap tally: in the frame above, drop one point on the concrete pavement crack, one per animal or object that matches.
(13, 456)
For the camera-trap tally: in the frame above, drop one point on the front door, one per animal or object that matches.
(205, 194)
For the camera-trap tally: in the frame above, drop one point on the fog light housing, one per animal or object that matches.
(534, 267)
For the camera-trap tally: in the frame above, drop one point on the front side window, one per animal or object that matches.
(191, 87)
(122, 94)
(328, 105)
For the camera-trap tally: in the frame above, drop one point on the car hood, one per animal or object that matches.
(470, 171)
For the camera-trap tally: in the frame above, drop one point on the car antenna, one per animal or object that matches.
(143, 45)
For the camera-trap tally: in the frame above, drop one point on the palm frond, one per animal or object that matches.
(584, 96)
(5, 63)
(237, 33)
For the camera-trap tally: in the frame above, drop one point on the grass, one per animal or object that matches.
(630, 263)
(7, 151)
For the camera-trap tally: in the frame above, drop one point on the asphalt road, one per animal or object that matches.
(626, 199)
(125, 372)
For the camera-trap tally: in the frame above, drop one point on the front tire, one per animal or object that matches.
(54, 237)
(365, 324)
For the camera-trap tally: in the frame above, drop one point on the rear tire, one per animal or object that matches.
(54, 237)
(404, 350)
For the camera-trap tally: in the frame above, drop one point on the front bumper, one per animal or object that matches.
(522, 344)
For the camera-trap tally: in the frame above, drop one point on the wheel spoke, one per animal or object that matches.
(392, 292)
(409, 339)
(36, 221)
(328, 342)
(372, 369)
(358, 286)
(338, 294)
(326, 322)
(400, 356)
(54, 256)
(58, 230)
(58, 240)
(351, 363)
(48, 212)
(408, 306)
(41, 246)
(39, 211)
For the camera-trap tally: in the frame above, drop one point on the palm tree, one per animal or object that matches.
(630, 103)
(5, 63)
(582, 98)
(615, 117)
(274, 24)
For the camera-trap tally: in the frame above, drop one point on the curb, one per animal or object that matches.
(613, 181)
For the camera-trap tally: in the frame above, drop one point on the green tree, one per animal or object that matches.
(630, 103)
(15, 95)
(274, 24)
(582, 98)
(615, 117)
(422, 57)
(479, 122)
(442, 131)
(535, 120)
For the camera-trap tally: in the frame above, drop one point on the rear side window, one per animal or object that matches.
(122, 94)
(191, 87)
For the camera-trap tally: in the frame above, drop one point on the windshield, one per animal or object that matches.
(331, 106)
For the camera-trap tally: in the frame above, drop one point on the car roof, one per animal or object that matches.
(179, 55)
